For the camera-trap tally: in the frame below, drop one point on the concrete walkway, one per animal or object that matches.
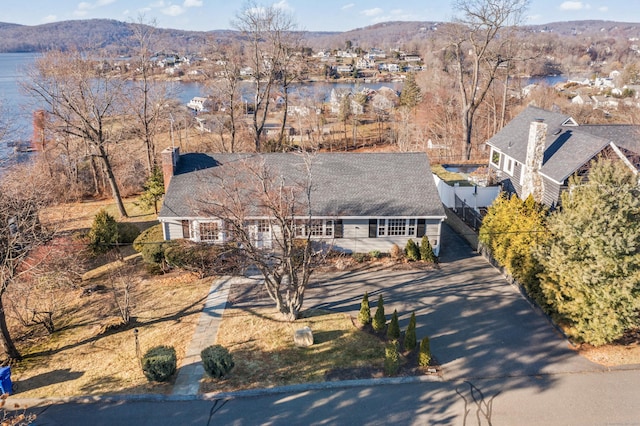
(192, 370)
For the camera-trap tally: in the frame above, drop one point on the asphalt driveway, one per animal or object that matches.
(480, 326)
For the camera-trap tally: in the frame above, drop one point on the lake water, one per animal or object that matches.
(17, 107)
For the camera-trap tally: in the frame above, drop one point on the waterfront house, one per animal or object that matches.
(358, 202)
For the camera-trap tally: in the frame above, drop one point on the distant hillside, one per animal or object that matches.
(590, 28)
(96, 34)
(115, 37)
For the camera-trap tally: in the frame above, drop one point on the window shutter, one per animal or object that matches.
(186, 229)
(373, 228)
(422, 227)
(337, 228)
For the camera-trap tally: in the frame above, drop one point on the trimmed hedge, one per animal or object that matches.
(159, 363)
(217, 361)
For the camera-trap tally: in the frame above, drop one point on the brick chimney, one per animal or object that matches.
(170, 157)
(532, 183)
(39, 126)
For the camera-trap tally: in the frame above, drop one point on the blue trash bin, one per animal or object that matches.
(5, 380)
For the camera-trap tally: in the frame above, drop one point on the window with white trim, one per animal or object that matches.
(209, 231)
(509, 164)
(315, 228)
(495, 157)
(397, 227)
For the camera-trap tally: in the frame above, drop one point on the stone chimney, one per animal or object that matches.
(532, 183)
(170, 157)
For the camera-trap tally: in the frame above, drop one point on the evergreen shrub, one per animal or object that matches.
(410, 339)
(426, 251)
(424, 357)
(391, 358)
(217, 361)
(412, 251)
(393, 332)
(159, 363)
(379, 319)
(364, 317)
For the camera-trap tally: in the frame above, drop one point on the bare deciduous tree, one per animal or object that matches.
(281, 204)
(267, 29)
(83, 101)
(22, 197)
(477, 43)
(146, 97)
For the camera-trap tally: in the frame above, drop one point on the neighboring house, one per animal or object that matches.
(605, 102)
(359, 202)
(385, 99)
(581, 100)
(344, 69)
(197, 103)
(539, 150)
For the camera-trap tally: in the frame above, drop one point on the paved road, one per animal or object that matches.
(566, 399)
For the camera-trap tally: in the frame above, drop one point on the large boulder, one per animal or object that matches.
(303, 337)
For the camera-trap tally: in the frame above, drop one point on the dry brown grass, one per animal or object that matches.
(265, 355)
(80, 360)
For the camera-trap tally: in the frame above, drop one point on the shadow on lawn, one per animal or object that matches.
(45, 379)
(194, 308)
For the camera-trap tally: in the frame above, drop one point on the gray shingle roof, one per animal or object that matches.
(343, 184)
(567, 147)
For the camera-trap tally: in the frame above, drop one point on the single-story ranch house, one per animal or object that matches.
(538, 151)
(358, 202)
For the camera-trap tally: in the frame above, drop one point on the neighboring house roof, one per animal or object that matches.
(568, 146)
(343, 184)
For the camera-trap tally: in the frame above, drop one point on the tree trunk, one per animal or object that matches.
(7, 342)
(115, 191)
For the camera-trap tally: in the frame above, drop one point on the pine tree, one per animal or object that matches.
(424, 357)
(412, 251)
(379, 319)
(364, 317)
(426, 251)
(393, 332)
(410, 338)
(153, 190)
(411, 94)
(591, 264)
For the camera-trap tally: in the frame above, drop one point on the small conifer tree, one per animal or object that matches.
(424, 358)
(410, 335)
(379, 319)
(391, 358)
(412, 251)
(153, 190)
(426, 251)
(103, 234)
(393, 332)
(365, 311)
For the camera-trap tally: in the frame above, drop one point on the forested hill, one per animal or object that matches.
(116, 37)
(107, 35)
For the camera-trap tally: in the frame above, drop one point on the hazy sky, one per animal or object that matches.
(315, 15)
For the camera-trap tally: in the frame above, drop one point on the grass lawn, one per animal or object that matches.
(81, 359)
(265, 355)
